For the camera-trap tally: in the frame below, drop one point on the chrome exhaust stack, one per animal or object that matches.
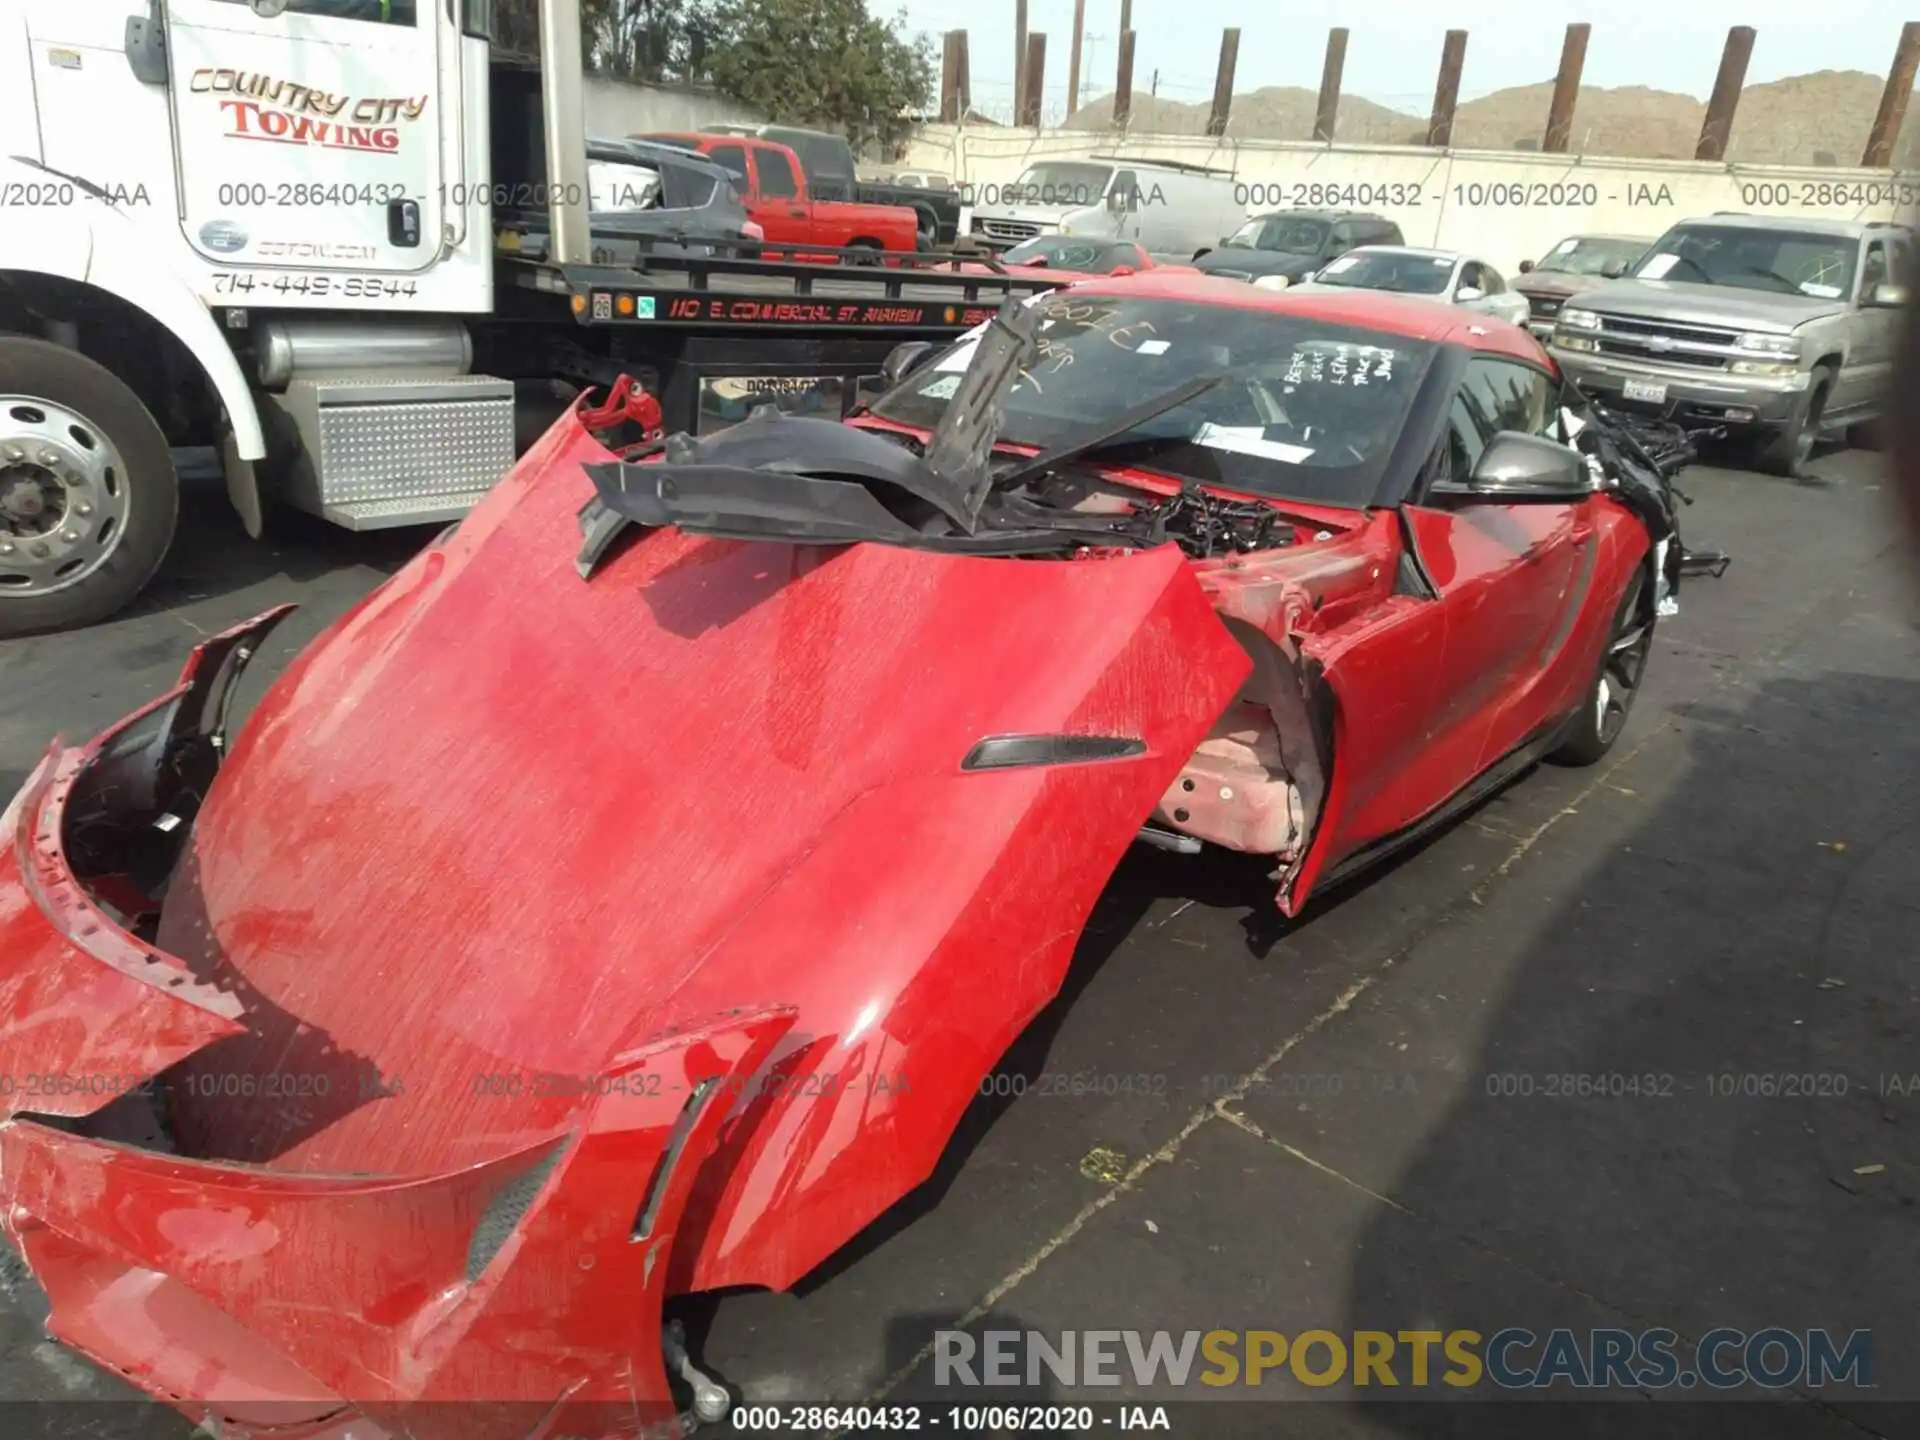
(563, 121)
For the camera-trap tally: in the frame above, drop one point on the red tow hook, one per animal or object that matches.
(626, 401)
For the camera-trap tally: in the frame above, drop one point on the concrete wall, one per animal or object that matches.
(1503, 207)
(615, 108)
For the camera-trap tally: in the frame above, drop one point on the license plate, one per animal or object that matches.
(1646, 390)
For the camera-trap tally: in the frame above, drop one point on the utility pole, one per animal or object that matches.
(1019, 60)
(1073, 64)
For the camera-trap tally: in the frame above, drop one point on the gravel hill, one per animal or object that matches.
(1815, 119)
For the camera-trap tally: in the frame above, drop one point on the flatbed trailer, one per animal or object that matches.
(698, 333)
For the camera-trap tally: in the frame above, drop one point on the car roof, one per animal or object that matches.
(1406, 316)
(655, 153)
(1417, 251)
(1839, 229)
(1308, 213)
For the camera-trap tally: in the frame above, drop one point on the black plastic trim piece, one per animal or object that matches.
(1014, 752)
(1411, 576)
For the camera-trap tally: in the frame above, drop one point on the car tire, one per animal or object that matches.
(1785, 451)
(1608, 701)
(866, 252)
(110, 473)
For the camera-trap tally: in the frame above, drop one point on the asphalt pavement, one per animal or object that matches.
(1375, 1118)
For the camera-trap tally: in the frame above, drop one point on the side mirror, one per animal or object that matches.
(903, 360)
(268, 9)
(1613, 269)
(1468, 293)
(1888, 297)
(1517, 469)
(1526, 266)
(1116, 202)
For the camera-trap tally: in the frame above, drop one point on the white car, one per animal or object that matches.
(1441, 274)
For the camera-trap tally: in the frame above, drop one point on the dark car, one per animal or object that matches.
(1577, 264)
(653, 198)
(1294, 243)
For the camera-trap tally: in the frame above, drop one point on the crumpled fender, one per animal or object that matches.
(89, 1012)
(961, 936)
(531, 1284)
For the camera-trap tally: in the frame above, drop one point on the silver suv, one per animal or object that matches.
(1780, 329)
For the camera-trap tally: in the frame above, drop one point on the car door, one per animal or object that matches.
(783, 213)
(336, 99)
(1510, 576)
(1875, 332)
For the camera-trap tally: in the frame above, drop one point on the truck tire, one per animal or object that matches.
(866, 252)
(88, 495)
(1785, 451)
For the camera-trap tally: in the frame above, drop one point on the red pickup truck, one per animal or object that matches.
(774, 184)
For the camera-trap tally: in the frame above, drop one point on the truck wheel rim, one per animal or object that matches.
(63, 497)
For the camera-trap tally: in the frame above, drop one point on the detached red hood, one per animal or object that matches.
(479, 838)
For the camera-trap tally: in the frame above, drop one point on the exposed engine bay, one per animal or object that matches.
(776, 476)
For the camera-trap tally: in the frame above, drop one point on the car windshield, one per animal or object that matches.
(1059, 183)
(1308, 410)
(1291, 234)
(1064, 253)
(1395, 270)
(1781, 262)
(1590, 254)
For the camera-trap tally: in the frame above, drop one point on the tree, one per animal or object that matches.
(820, 62)
(642, 39)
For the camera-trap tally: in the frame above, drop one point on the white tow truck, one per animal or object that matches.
(346, 247)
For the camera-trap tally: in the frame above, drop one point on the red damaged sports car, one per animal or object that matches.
(422, 1042)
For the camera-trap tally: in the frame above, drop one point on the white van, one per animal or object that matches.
(1171, 210)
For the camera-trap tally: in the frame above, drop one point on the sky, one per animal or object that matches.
(1393, 51)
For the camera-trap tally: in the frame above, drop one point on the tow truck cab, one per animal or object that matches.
(340, 252)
